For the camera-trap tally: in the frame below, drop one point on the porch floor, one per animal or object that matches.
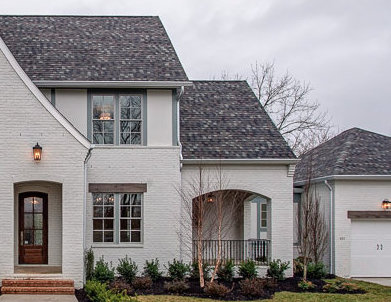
(41, 298)
(37, 269)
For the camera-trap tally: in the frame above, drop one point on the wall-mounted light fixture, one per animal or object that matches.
(37, 152)
(211, 198)
(386, 204)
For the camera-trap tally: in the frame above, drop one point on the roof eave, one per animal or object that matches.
(111, 84)
(242, 161)
(344, 177)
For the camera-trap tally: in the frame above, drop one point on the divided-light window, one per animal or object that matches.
(117, 218)
(117, 119)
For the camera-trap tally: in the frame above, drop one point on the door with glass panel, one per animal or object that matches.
(33, 228)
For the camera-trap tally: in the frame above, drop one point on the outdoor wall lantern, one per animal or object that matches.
(37, 152)
(386, 204)
(211, 198)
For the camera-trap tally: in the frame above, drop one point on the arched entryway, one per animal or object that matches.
(233, 223)
(38, 227)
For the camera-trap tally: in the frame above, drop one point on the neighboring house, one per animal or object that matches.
(121, 129)
(351, 173)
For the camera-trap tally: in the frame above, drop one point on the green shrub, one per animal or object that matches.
(316, 270)
(215, 289)
(142, 283)
(298, 267)
(176, 286)
(151, 269)
(226, 271)
(195, 273)
(277, 269)
(306, 285)
(98, 292)
(252, 287)
(103, 272)
(248, 269)
(89, 263)
(341, 286)
(177, 270)
(127, 269)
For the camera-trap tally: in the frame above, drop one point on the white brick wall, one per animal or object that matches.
(157, 167)
(27, 122)
(270, 181)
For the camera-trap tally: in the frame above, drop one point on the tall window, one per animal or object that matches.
(130, 126)
(117, 218)
(263, 217)
(103, 119)
(103, 217)
(130, 225)
(117, 119)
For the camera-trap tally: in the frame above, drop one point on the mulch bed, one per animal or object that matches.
(289, 284)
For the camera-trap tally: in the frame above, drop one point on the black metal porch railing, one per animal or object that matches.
(235, 250)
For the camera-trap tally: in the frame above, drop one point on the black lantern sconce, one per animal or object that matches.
(37, 152)
(386, 204)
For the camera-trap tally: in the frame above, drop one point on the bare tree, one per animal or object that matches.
(209, 213)
(287, 101)
(313, 234)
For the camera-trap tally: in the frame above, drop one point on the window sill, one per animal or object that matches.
(117, 245)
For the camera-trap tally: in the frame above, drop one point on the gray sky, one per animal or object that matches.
(343, 47)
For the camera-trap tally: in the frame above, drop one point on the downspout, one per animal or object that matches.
(331, 227)
(179, 125)
(88, 156)
(180, 165)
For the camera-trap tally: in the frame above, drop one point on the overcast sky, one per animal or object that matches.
(342, 47)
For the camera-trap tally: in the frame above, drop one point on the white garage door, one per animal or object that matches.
(371, 248)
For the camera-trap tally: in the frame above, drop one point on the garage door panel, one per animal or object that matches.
(370, 249)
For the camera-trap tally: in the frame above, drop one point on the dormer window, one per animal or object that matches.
(117, 118)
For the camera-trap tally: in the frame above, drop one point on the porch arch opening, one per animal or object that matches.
(233, 225)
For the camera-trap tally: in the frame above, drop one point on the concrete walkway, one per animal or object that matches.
(381, 281)
(36, 298)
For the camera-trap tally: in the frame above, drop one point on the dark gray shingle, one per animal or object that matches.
(91, 48)
(224, 119)
(353, 152)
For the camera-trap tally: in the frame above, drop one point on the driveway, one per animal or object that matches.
(40, 298)
(381, 281)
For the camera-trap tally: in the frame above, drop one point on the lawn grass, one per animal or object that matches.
(375, 293)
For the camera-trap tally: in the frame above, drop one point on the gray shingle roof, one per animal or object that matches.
(353, 152)
(91, 48)
(224, 119)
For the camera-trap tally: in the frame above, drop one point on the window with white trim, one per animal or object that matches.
(117, 217)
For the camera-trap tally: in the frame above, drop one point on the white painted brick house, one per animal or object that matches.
(122, 132)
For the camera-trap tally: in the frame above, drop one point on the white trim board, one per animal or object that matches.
(344, 177)
(112, 84)
(241, 161)
(41, 98)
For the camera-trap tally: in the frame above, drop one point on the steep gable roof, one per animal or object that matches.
(353, 152)
(224, 119)
(92, 48)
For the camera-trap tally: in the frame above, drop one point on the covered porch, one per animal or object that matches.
(235, 225)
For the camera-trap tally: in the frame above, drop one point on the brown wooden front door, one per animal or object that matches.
(33, 228)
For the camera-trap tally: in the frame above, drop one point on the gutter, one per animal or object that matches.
(345, 177)
(243, 161)
(88, 156)
(331, 222)
(179, 126)
(112, 84)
